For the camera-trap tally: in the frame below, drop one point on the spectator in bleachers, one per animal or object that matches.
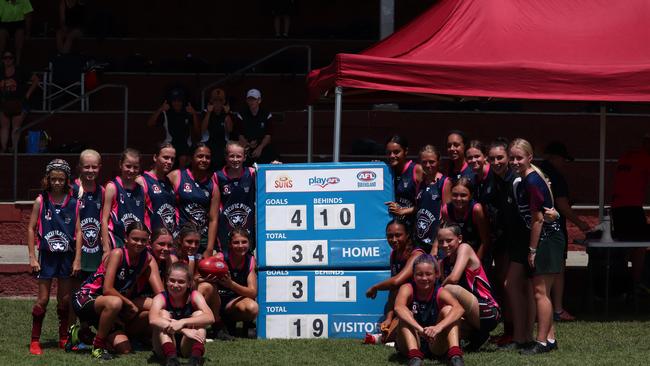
(217, 121)
(282, 10)
(14, 93)
(254, 127)
(16, 22)
(178, 118)
(71, 19)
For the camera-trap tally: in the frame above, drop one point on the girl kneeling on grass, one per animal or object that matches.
(179, 316)
(104, 299)
(467, 282)
(52, 228)
(428, 316)
(238, 288)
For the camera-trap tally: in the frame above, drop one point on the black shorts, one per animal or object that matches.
(629, 223)
(225, 300)
(12, 27)
(83, 304)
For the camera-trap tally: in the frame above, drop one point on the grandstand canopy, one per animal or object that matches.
(544, 49)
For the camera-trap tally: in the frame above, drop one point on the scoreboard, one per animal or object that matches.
(321, 244)
(323, 215)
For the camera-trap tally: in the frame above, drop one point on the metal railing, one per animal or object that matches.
(51, 113)
(252, 65)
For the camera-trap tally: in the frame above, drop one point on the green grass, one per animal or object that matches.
(581, 343)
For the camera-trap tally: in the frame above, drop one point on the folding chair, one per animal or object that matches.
(65, 77)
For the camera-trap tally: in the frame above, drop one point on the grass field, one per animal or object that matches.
(581, 343)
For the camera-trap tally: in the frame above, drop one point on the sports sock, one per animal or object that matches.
(169, 350)
(38, 314)
(542, 343)
(549, 340)
(415, 353)
(99, 342)
(63, 313)
(454, 351)
(198, 349)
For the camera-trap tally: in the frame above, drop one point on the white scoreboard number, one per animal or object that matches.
(326, 289)
(336, 289)
(297, 326)
(334, 217)
(288, 217)
(297, 253)
(287, 289)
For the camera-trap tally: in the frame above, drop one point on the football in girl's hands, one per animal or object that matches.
(215, 266)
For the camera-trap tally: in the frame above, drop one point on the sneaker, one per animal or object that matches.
(195, 361)
(372, 338)
(415, 361)
(223, 335)
(537, 348)
(63, 342)
(552, 346)
(172, 361)
(456, 361)
(35, 348)
(563, 316)
(101, 354)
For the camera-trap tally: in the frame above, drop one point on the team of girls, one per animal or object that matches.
(500, 204)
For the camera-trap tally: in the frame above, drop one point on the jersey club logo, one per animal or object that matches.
(237, 214)
(90, 231)
(167, 214)
(57, 241)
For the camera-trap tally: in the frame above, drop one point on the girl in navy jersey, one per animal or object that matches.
(90, 197)
(465, 278)
(546, 241)
(188, 246)
(238, 288)
(428, 316)
(434, 192)
(123, 200)
(458, 167)
(237, 189)
(160, 199)
(52, 228)
(407, 176)
(469, 215)
(198, 198)
(403, 254)
(105, 298)
(179, 316)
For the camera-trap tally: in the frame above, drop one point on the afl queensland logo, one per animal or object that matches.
(226, 189)
(57, 241)
(90, 231)
(237, 214)
(156, 189)
(187, 188)
(366, 178)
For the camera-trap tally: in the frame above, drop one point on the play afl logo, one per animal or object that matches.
(323, 182)
(366, 178)
(283, 181)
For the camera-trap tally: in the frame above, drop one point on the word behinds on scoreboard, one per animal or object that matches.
(321, 180)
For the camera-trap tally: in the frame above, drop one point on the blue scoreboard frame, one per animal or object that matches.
(329, 215)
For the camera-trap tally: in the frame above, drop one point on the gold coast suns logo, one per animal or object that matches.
(283, 181)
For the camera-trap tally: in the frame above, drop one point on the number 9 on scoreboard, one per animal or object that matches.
(297, 326)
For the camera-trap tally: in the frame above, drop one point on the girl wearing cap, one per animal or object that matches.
(217, 122)
(52, 228)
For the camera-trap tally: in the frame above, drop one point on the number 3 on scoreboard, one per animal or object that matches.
(307, 326)
(291, 217)
(334, 217)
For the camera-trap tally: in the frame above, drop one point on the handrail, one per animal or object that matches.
(50, 113)
(251, 65)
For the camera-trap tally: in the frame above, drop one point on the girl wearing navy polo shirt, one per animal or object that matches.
(546, 243)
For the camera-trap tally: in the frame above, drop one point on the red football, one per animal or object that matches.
(213, 266)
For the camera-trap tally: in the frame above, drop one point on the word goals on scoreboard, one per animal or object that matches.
(329, 215)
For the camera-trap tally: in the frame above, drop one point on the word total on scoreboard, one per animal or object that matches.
(323, 215)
